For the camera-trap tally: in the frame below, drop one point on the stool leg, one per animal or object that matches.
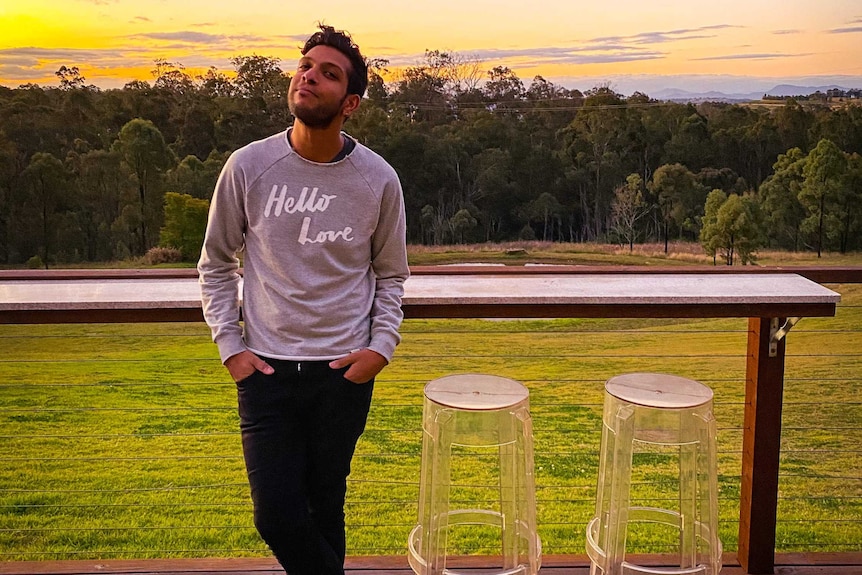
(612, 497)
(527, 497)
(426, 492)
(708, 495)
(434, 542)
(509, 490)
(603, 493)
(521, 546)
(688, 494)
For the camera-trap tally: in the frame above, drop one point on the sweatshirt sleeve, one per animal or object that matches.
(389, 263)
(218, 267)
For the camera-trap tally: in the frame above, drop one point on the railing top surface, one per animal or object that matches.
(743, 291)
(615, 289)
(820, 274)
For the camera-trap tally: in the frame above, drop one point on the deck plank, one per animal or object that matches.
(786, 564)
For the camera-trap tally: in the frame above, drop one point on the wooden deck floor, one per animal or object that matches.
(790, 564)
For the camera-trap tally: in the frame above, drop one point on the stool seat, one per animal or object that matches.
(473, 391)
(476, 426)
(665, 418)
(658, 390)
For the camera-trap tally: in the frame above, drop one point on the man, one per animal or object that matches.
(320, 221)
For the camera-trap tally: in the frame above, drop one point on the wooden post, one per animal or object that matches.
(761, 446)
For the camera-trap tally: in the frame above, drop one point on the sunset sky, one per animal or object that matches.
(575, 43)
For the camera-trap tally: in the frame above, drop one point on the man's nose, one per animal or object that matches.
(310, 75)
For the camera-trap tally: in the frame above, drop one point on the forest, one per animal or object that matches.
(103, 175)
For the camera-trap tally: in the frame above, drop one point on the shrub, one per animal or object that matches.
(160, 255)
(527, 233)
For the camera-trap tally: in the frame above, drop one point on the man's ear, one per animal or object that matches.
(351, 103)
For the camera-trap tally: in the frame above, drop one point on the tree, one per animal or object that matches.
(732, 227)
(377, 94)
(462, 223)
(793, 123)
(431, 225)
(465, 74)
(158, 106)
(545, 209)
(259, 77)
(104, 184)
(143, 149)
(185, 224)
(549, 109)
(628, 208)
(172, 78)
(425, 91)
(690, 143)
(679, 197)
(743, 139)
(722, 179)
(823, 173)
(197, 134)
(597, 140)
(503, 86)
(543, 90)
(495, 188)
(403, 149)
(710, 238)
(779, 198)
(48, 182)
(650, 128)
(8, 173)
(763, 139)
(842, 126)
(194, 177)
(371, 126)
(851, 204)
(70, 78)
(215, 84)
(33, 121)
(262, 90)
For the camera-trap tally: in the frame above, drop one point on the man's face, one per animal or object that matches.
(318, 90)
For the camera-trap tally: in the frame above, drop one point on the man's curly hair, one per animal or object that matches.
(357, 79)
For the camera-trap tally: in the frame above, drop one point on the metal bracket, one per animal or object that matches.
(776, 333)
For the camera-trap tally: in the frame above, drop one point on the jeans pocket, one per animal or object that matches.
(249, 379)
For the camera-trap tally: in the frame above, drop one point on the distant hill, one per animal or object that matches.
(678, 95)
(791, 90)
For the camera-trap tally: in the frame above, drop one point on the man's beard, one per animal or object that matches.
(319, 117)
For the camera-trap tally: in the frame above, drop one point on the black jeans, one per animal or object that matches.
(299, 430)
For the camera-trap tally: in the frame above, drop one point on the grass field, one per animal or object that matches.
(678, 254)
(120, 441)
(588, 253)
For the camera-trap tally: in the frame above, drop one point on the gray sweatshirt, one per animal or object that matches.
(324, 254)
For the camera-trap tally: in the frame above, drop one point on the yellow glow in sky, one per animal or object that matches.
(570, 43)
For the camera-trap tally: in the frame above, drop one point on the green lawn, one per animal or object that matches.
(120, 441)
(678, 254)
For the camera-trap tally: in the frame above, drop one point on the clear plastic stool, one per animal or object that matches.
(658, 414)
(480, 414)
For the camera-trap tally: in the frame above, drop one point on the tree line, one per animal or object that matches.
(102, 175)
(832, 94)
